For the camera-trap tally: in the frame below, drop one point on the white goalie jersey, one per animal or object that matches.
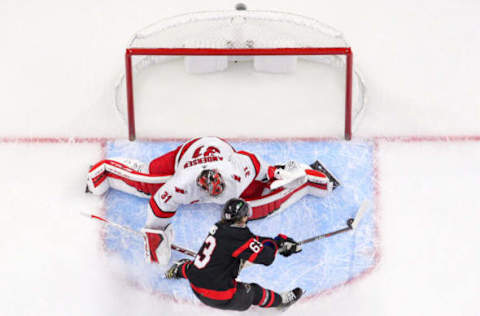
(238, 170)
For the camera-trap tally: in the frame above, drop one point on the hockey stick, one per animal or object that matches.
(132, 231)
(352, 223)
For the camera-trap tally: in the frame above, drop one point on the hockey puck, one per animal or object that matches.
(350, 222)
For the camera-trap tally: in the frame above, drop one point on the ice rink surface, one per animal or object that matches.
(420, 136)
(321, 266)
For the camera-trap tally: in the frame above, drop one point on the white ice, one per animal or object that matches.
(59, 61)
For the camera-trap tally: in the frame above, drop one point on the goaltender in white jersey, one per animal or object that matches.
(206, 170)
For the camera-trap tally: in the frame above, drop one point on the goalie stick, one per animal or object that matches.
(132, 231)
(352, 223)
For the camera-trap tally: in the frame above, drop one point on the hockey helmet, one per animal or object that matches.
(236, 209)
(211, 181)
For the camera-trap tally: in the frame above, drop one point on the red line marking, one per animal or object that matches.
(103, 140)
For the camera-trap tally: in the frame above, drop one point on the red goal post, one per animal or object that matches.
(239, 52)
(240, 36)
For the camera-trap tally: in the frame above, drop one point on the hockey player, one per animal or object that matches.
(205, 170)
(213, 272)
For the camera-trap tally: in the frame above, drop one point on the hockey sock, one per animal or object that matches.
(264, 297)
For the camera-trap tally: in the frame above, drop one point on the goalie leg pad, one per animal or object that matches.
(96, 179)
(116, 174)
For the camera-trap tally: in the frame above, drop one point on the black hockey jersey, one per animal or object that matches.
(212, 273)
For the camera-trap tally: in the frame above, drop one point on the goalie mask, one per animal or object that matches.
(236, 209)
(211, 181)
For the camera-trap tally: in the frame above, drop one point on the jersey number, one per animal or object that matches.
(201, 260)
(256, 246)
(165, 196)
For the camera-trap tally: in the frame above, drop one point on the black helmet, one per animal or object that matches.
(236, 209)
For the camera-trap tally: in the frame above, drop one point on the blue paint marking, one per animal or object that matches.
(321, 265)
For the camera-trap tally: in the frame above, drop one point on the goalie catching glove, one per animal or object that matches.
(287, 246)
(293, 174)
(158, 244)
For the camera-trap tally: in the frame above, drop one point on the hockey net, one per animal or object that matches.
(208, 41)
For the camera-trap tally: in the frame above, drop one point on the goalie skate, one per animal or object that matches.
(317, 165)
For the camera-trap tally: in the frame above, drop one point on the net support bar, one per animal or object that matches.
(238, 52)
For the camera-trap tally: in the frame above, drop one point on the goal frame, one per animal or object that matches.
(130, 52)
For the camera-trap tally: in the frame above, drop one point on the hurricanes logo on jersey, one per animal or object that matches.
(209, 155)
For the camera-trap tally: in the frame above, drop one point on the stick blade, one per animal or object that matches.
(361, 211)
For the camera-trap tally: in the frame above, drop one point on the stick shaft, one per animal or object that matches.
(132, 231)
(352, 224)
(308, 240)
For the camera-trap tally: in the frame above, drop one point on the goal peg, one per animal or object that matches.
(240, 6)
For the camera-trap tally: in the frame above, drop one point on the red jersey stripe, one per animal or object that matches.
(215, 295)
(242, 248)
(185, 148)
(184, 272)
(272, 298)
(262, 300)
(254, 256)
(158, 211)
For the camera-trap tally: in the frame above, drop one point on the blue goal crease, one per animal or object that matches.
(322, 265)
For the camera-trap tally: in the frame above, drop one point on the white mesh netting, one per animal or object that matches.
(239, 29)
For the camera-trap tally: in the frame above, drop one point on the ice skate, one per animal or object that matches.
(290, 297)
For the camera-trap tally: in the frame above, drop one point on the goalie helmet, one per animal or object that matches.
(236, 209)
(211, 181)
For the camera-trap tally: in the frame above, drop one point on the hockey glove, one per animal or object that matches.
(287, 246)
(292, 175)
(175, 271)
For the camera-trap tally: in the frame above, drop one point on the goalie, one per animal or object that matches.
(206, 170)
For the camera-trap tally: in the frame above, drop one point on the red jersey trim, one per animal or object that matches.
(242, 248)
(185, 148)
(254, 256)
(184, 271)
(272, 298)
(158, 211)
(262, 300)
(254, 160)
(216, 295)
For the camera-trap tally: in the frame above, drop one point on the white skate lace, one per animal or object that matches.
(289, 297)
